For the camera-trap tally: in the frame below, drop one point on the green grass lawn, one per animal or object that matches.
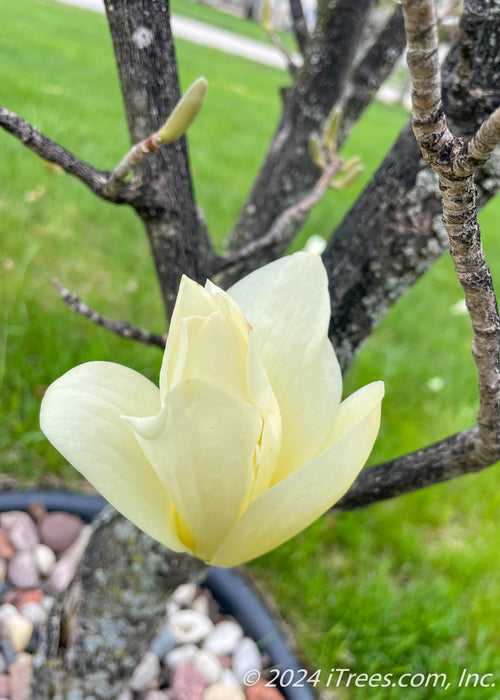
(411, 585)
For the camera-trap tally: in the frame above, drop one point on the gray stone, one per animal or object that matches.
(163, 642)
(35, 613)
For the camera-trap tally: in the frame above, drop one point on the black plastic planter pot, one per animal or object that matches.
(233, 593)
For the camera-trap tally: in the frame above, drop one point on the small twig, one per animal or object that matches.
(299, 24)
(267, 24)
(121, 328)
(455, 165)
(54, 153)
(280, 230)
(293, 66)
(136, 154)
(178, 122)
(480, 147)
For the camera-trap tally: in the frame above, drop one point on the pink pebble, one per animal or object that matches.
(187, 682)
(59, 530)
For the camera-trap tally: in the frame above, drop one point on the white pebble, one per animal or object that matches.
(35, 613)
(223, 692)
(146, 671)
(45, 559)
(175, 657)
(19, 631)
(246, 658)
(224, 638)
(172, 608)
(189, 626)
(6, 610)
(228, 678)
(184, 594)
(201, 605)
(208, 665)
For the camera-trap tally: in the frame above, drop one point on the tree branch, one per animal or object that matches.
(299, 24)
(121, 328)
(372, 72)
(395, 225)
(282, 230)
(445, 153)
(54, 153)
(459, 454)
(288, 173)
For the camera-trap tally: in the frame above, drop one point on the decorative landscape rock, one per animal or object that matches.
(59, 530)
(224, 638)
(183, 653)
(190, 626)
(22, 571)
(6, 547)
(146, 671)
(261, 691)
(23, 533)
(45, 559)
(207, 663)
(19, 630)
(223, 692)
(20, 676)
(246, 658)
(187, 682)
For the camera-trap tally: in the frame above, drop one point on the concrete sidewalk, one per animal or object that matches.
(208, 35)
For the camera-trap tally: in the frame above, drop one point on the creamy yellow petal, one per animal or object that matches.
(216, 353)
(204, 459)
(294, 503)
(353, 409)
(262, 396)
(192, 300)
(288, 307)
(80, 415)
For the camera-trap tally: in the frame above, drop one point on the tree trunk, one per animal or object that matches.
(145, 57)
(102, 626)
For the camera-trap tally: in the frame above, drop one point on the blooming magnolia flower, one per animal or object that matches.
(246, 442)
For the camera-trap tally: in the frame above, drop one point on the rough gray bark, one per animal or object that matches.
(371, 72)
(104, 623)
(145, 57)
(459, 454)
(288, 172)
(394, 233)
(299, 24)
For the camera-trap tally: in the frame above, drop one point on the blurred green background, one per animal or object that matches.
(411, 585)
